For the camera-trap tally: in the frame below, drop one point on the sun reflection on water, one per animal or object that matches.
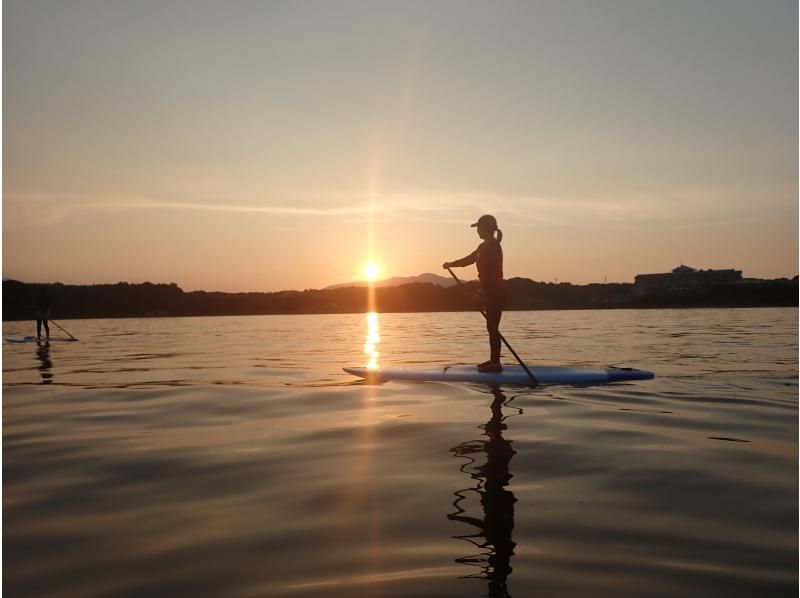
(373, 338)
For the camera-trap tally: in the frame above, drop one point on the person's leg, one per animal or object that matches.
(47, 328)
(493, 315)
(38, 328)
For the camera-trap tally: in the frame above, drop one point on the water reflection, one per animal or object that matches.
(373, 338)
(493, 529)
(46, 365)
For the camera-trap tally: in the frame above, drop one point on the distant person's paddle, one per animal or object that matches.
(59, 327)
(502, 338)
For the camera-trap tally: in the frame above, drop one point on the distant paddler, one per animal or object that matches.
(43, 313)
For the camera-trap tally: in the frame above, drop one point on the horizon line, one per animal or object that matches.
(337, 286)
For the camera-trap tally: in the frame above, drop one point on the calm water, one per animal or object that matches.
(233, 457)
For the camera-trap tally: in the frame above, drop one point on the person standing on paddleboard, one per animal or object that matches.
(42, 313)
(492, 294)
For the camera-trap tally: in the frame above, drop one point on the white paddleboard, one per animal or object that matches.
(33, 339)
(511, 374)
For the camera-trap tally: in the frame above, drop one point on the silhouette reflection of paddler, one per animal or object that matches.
(497, 524)
(43, 355)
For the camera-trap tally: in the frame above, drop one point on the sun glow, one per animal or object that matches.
(372, 271)
(373, 338)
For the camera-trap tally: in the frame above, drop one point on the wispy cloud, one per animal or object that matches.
(675, 206)
(47, 209)
(239, 208)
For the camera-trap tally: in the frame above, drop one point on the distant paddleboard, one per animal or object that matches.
(511, 374)
(33, 339)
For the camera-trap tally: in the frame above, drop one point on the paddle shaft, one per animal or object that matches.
(72, 337)
(502, 338)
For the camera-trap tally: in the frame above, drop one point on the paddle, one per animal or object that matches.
(72, 337)
(502, 338)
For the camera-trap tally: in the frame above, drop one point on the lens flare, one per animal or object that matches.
(373, 338)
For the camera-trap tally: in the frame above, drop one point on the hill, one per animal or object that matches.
(396, 281)
(137, 300)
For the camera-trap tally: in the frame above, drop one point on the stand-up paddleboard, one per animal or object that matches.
(33, 339)
(511, 374)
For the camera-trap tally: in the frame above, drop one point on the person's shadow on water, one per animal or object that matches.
(494, 529)
(46, 365)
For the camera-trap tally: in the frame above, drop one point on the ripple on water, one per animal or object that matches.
(194, 457)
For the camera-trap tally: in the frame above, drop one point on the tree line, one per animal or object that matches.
(125, 300)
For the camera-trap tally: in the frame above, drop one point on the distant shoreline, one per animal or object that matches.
(124, 300)
(381, 312)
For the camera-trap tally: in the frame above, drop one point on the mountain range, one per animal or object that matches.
(396, 281)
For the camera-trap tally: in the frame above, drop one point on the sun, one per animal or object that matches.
(372, 271)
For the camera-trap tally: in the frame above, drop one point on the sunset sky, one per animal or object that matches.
(258, 146)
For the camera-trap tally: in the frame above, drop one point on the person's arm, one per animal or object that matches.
(464, 261)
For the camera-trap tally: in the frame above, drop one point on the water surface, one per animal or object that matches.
(231, 456)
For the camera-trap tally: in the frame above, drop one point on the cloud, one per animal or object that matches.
(25, 210)
(677, 206)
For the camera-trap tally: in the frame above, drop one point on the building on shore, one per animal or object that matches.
(684, 277)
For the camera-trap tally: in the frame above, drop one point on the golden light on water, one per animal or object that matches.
(372, 271)
(373, 338)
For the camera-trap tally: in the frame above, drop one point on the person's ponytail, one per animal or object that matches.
(499, 235)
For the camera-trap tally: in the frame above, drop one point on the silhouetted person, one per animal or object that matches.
(42, 313)
(492, 295)
(497, 502)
